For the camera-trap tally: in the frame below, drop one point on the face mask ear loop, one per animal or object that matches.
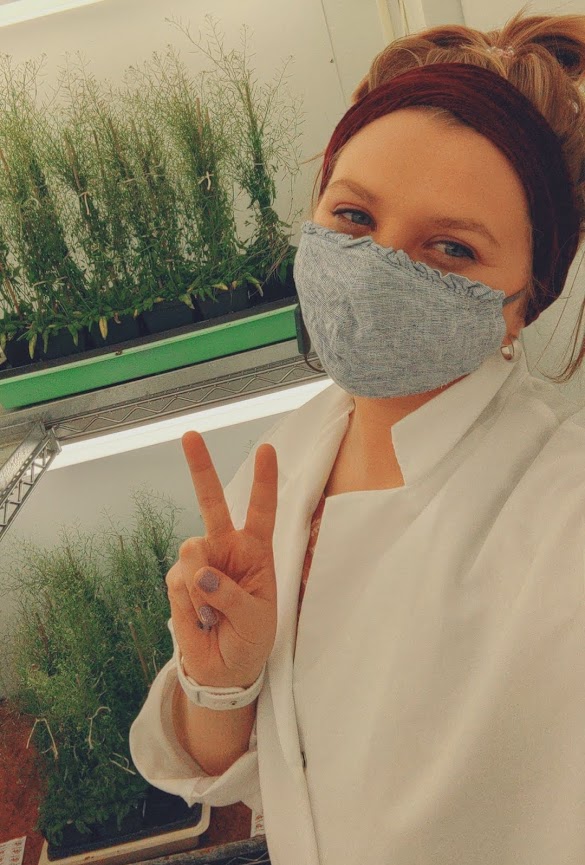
(511, 351)
(512, 297)
(303, 339)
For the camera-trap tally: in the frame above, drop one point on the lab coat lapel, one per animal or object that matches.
(308, 467)
(306, 447)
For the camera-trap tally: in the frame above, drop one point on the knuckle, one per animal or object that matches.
(189, 547)
(172, 579)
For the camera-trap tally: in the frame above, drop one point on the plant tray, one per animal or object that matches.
(144, 846)
(149, 355)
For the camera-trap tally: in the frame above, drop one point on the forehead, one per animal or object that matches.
(415, 155)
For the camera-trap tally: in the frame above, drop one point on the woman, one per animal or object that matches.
(431, 707)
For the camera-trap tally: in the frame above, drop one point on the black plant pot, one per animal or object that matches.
(225, 302)
(129, 328)
(273, 289)
(169, 314)
(17, 353)
(156, 813)
(61, 344)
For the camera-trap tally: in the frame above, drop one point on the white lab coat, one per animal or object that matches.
(437, 689)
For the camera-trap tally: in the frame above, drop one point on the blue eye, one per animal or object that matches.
(461, 251)
(358, 212)
(467, 253)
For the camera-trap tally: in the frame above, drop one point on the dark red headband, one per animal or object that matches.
(497, 110)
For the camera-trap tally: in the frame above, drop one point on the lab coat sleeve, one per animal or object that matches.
(163, 762)
(155, 749)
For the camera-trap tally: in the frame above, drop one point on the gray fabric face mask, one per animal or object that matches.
(384, 325)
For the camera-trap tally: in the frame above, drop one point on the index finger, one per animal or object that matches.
(208, 488)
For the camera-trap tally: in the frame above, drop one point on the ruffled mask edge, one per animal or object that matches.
(456, 282)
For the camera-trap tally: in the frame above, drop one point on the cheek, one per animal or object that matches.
(514, 274)
(513, 315)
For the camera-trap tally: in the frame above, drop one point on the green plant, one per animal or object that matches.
(91, 637)
(13, 301)
(123, 198)
(72, 153)
(200, 146)
(148, 96)
(261, 123)
(55, 279)
(110, 158)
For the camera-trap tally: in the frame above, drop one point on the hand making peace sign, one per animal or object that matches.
(234, 651)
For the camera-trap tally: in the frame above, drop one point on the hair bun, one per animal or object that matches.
(561, 36)
(568, 53)
(452, 36)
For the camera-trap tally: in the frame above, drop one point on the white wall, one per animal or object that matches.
(474, 13)
(487, 16)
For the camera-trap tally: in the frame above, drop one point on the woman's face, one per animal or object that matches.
(407, 178)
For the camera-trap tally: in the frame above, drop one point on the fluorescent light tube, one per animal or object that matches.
(24, 10)
(170, 429)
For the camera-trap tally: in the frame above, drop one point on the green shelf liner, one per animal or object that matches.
(138, 361)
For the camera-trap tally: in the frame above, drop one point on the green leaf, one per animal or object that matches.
(103, 327)
(221, 285)
(186, 298)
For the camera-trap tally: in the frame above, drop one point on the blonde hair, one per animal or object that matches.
(543, 56)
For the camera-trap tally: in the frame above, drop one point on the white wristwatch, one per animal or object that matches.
(214, 698)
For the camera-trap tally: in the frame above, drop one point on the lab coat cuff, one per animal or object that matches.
(162, 761)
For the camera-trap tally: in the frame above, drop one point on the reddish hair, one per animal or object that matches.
(496, 109)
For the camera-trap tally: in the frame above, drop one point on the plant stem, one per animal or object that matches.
(142, 661)
(11, 291)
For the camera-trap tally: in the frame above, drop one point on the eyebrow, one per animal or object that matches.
(440, 221)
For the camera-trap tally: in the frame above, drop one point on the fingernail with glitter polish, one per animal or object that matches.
(208, 581)
(208, 615)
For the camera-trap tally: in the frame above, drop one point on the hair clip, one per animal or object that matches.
(501, 52)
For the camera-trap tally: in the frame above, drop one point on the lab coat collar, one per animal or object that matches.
(426, 435)
(423, 437)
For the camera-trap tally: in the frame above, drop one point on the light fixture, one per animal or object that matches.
(215, 417)
(17, 11)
